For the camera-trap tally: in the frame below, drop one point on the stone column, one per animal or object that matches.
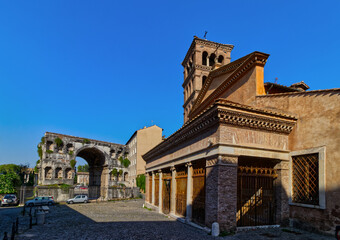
(160, 199)
(221, 191)
(173, 191)
(153, 189)
(189, 191)
(147, 186)
(281, 190)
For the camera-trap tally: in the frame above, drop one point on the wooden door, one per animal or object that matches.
(181, 193)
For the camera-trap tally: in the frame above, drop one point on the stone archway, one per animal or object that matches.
(60, 151)
(98, 169)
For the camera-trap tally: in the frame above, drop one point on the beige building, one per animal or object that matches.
(140, 142)
(83, 178)
(250, 153)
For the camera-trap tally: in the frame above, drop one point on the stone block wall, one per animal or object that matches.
(120, 192)
(59, 195)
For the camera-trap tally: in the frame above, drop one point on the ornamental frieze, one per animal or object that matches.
(267, 121)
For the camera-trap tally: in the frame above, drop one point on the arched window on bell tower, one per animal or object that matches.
(212, 59)
(220, 59)
(204, 58)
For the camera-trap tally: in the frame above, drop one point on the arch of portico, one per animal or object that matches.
(102, 157)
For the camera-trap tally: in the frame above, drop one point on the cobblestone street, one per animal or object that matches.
(128, 220)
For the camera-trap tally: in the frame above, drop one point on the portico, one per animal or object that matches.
(202, 174)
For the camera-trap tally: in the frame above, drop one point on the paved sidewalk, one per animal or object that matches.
(128, 220)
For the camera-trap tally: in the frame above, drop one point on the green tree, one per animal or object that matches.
(8, 182)
(7, 168)
(83, 168)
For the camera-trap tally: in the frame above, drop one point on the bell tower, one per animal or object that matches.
(202, 57)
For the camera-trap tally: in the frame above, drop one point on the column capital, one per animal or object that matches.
(160, 171)
(172, 169)
(188, 164)
(221, 160)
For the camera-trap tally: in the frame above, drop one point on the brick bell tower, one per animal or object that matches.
(202, 57)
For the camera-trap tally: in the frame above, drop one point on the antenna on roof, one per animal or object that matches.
(205, 35)
(276, 79)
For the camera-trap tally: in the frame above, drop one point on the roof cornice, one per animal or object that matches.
(229, 113)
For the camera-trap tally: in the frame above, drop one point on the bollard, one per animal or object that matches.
(215, 230)
(30, 210)
(337, 232)
(30, 221)
(24, 211)
(5, 236)
(13, 231)
(17, 226)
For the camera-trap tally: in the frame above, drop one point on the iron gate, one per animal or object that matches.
(166, 192)
(255, 196)
(198, 196)
(181, 193)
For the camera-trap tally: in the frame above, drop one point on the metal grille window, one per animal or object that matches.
(306, 179)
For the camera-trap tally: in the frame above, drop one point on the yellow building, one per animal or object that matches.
(139, 143)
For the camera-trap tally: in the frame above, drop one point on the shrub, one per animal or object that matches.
(114, 172)
(39, 151)
(49, 151)
(125, 162)
(70, 153)
(140, 181)
(120, 173)
(86, 141)
(58, 141)
(73, 163)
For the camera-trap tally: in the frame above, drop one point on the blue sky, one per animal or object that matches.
(103, 69)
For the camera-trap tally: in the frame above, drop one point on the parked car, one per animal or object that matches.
(78, 199)
(39, 201)
(10, 199)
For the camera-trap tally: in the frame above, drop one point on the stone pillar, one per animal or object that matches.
(281, 193)
(173, 191)
(147, 186)
(221, 191)
(104, 186)
(189, 191)
(160, 199)
(153, 189)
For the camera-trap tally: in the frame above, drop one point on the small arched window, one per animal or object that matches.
(204, 58)
(220, 59)
(212, 59)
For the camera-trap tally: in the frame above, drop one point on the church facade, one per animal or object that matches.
(249, 153)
